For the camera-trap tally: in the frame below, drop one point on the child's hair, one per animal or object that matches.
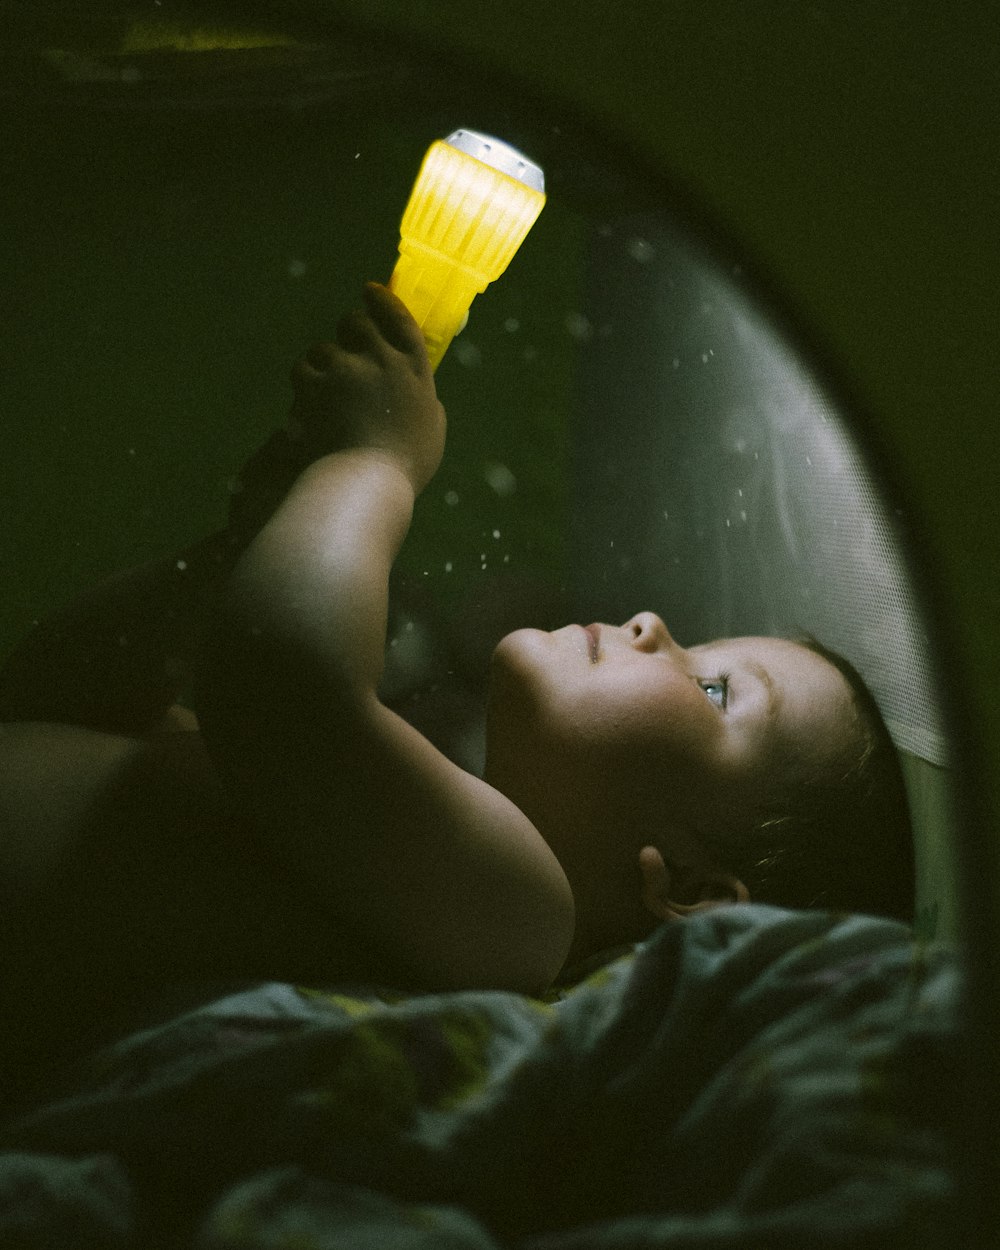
(840, 842)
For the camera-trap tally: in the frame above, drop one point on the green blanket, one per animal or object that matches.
(747, 1078)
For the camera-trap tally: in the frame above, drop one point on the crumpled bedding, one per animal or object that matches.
(749, 1077)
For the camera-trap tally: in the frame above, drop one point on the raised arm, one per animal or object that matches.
(430, 865)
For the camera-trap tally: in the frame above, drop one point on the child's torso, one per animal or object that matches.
(123, 875)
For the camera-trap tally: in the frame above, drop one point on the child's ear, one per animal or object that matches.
(700, 887)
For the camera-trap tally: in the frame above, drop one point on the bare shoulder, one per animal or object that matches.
(501, 905)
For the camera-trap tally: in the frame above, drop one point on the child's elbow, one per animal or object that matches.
(534, 958)
(518, 956)
(551, 953)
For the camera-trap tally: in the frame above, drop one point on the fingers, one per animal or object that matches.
(321, 356)
(356, 332)
(355, 335)
(393, 319)
(318, 362)
(384, 322)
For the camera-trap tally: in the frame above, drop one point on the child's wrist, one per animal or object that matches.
(367, 458)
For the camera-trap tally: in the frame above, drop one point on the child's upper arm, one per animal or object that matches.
(506, 908)
(449, 878)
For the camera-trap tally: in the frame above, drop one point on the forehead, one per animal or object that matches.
(803, 697)
(778, 656)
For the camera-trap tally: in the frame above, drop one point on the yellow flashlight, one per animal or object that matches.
(473, 203)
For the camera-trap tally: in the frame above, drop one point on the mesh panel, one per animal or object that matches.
(717, 483)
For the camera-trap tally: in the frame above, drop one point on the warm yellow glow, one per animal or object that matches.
(166, 36)
(463, 224)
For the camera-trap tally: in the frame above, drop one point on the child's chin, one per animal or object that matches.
(516, 669)
(516, 649)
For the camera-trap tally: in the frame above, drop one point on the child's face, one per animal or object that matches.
(613, 715)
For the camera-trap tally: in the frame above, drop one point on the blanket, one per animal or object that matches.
(749, 1077)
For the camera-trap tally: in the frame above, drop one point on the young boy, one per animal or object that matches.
(301, 830)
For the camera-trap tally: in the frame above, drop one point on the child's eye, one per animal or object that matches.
(717, 689)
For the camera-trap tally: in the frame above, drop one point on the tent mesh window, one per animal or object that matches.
(717, 483)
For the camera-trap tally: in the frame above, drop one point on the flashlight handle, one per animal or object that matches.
(437, 293)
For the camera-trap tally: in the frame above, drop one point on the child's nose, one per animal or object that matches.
(648, 632)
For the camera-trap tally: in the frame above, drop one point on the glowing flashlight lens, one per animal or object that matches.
(473, 203)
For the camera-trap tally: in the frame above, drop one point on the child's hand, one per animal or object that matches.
(373, 388)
